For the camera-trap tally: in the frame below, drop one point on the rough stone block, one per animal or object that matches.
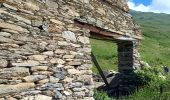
(28, 63)
(14, 72)
(69, 36)
(6, 89)
(4, 25)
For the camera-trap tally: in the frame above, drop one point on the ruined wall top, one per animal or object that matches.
(122, 4)
(110, 15)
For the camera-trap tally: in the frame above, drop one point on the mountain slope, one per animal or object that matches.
(155, 48)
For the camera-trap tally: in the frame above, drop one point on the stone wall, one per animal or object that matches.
(44, 55)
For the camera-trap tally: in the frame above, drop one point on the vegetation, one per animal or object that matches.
(106, 54)
(154, 49)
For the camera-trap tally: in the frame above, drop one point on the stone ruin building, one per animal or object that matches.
(45, 52)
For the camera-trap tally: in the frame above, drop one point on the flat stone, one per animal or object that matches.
(78, 89)
(16, 16)
(79, 94)
(10, 31)
(60, 51)
(34, 78)
(31, 92)
(88, 98)
(28, 98)
(39, 57)
(101, 11)
(42, 97)
(57, 61)
(49, 53)
(5, 34)
(43, 81)
(39, 68)
(3, 81)
(14, 72)
(68, 56)
(60, 66)
(28, 63)
(7, 89)
(63, 43)
(32, 6)
(74, 63)
(13, 27)
(37, 97)
(84, 40)
(75, 45)
(67, 93)
(56, 86)
(57, 22)
(76, 85)
(5, 40)
(54, 80)
(9, 7)
(36, 23)
(54, 60)
(3, 63)
(69, 36)
(68, 80)
(73, 71)
(26, 11)
(11, 98)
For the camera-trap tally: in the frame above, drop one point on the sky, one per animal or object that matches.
(157, 6)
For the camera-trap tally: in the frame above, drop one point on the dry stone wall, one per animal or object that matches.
(44, 55)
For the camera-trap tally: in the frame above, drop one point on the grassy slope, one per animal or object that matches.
(154, 49)
(106, 54)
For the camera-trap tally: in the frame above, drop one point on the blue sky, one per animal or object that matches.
(157, 6)
(144, 2)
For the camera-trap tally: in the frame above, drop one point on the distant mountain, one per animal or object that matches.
(155, 48)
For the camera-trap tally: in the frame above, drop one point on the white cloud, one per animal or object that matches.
(157, 6)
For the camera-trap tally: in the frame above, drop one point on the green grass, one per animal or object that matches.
(154, 49)
(106, 54)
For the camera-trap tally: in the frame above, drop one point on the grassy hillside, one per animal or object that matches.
(155, 48)
(106, 54)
